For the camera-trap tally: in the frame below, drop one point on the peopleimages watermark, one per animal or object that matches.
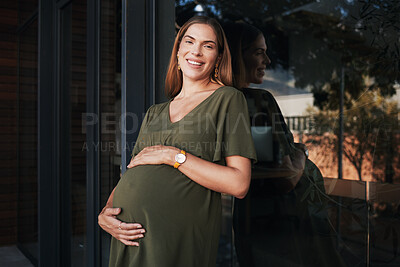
(112, 122)
(199, 123)
(113, 146)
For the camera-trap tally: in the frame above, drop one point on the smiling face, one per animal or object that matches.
(256, 60)
(198, 53)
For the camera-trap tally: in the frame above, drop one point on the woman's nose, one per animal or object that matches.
(267, 60)
(196, 50)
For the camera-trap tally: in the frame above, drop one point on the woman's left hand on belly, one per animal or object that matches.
(155, 155)
(124, 232)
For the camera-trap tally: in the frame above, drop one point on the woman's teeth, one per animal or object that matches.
(194, 62)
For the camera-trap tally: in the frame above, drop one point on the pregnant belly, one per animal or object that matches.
(160, 193)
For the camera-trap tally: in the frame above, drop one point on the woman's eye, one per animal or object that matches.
(208, 46)
(188, 42)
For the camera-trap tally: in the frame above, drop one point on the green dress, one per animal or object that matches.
(182, 218)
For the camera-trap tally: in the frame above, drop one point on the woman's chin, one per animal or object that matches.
(257, 81)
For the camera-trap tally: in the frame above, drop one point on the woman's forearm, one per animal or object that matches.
(233, 179)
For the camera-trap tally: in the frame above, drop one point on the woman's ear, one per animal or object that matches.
(218, 60)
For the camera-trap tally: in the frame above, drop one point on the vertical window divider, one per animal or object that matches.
(151, 52)
(48, 201)
(134, 65)
(93, 133)
(123, 84)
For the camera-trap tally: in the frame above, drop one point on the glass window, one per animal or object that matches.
(27, 141)
(18, 119)
(110, 113)
(73, 134)
(319, 49)
(26, 8)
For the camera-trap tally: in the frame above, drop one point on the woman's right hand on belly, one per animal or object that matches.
(124, 232)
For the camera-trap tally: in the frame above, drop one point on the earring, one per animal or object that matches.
(179, 66)
(216, 72)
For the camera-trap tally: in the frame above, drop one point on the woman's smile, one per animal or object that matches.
(194, 62)
(261, 71)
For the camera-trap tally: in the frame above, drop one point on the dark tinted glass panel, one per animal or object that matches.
(8, 122)
(318, 49)
(27, 141)
(110, 106)
(26, 8)
(384, 229)
(73, 133)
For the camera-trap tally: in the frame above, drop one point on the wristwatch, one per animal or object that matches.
(180, 158)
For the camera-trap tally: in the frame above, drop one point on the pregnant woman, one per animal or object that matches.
(189, 150)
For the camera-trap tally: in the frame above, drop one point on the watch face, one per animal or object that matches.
(180, 158)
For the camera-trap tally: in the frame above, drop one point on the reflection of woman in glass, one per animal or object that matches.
(283, 225)
(249, 61)
(189, 150)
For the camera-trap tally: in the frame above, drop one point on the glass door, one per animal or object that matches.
(110, 107)
(27, 218)
(72, 97)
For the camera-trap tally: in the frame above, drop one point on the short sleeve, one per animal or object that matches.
(233, 131)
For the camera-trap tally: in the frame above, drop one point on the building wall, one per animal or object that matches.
(295, 105)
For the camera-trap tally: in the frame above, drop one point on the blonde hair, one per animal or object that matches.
(173, 80)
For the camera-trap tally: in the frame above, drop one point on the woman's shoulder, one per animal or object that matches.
(156, 109)
(227, 92)
(228, 96)
(257, 92)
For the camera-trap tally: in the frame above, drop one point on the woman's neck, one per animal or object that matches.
(190, 88)
(246, 85)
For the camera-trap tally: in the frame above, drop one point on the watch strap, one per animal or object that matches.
(177, 164)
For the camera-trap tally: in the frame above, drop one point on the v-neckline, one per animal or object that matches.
(192, 110)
